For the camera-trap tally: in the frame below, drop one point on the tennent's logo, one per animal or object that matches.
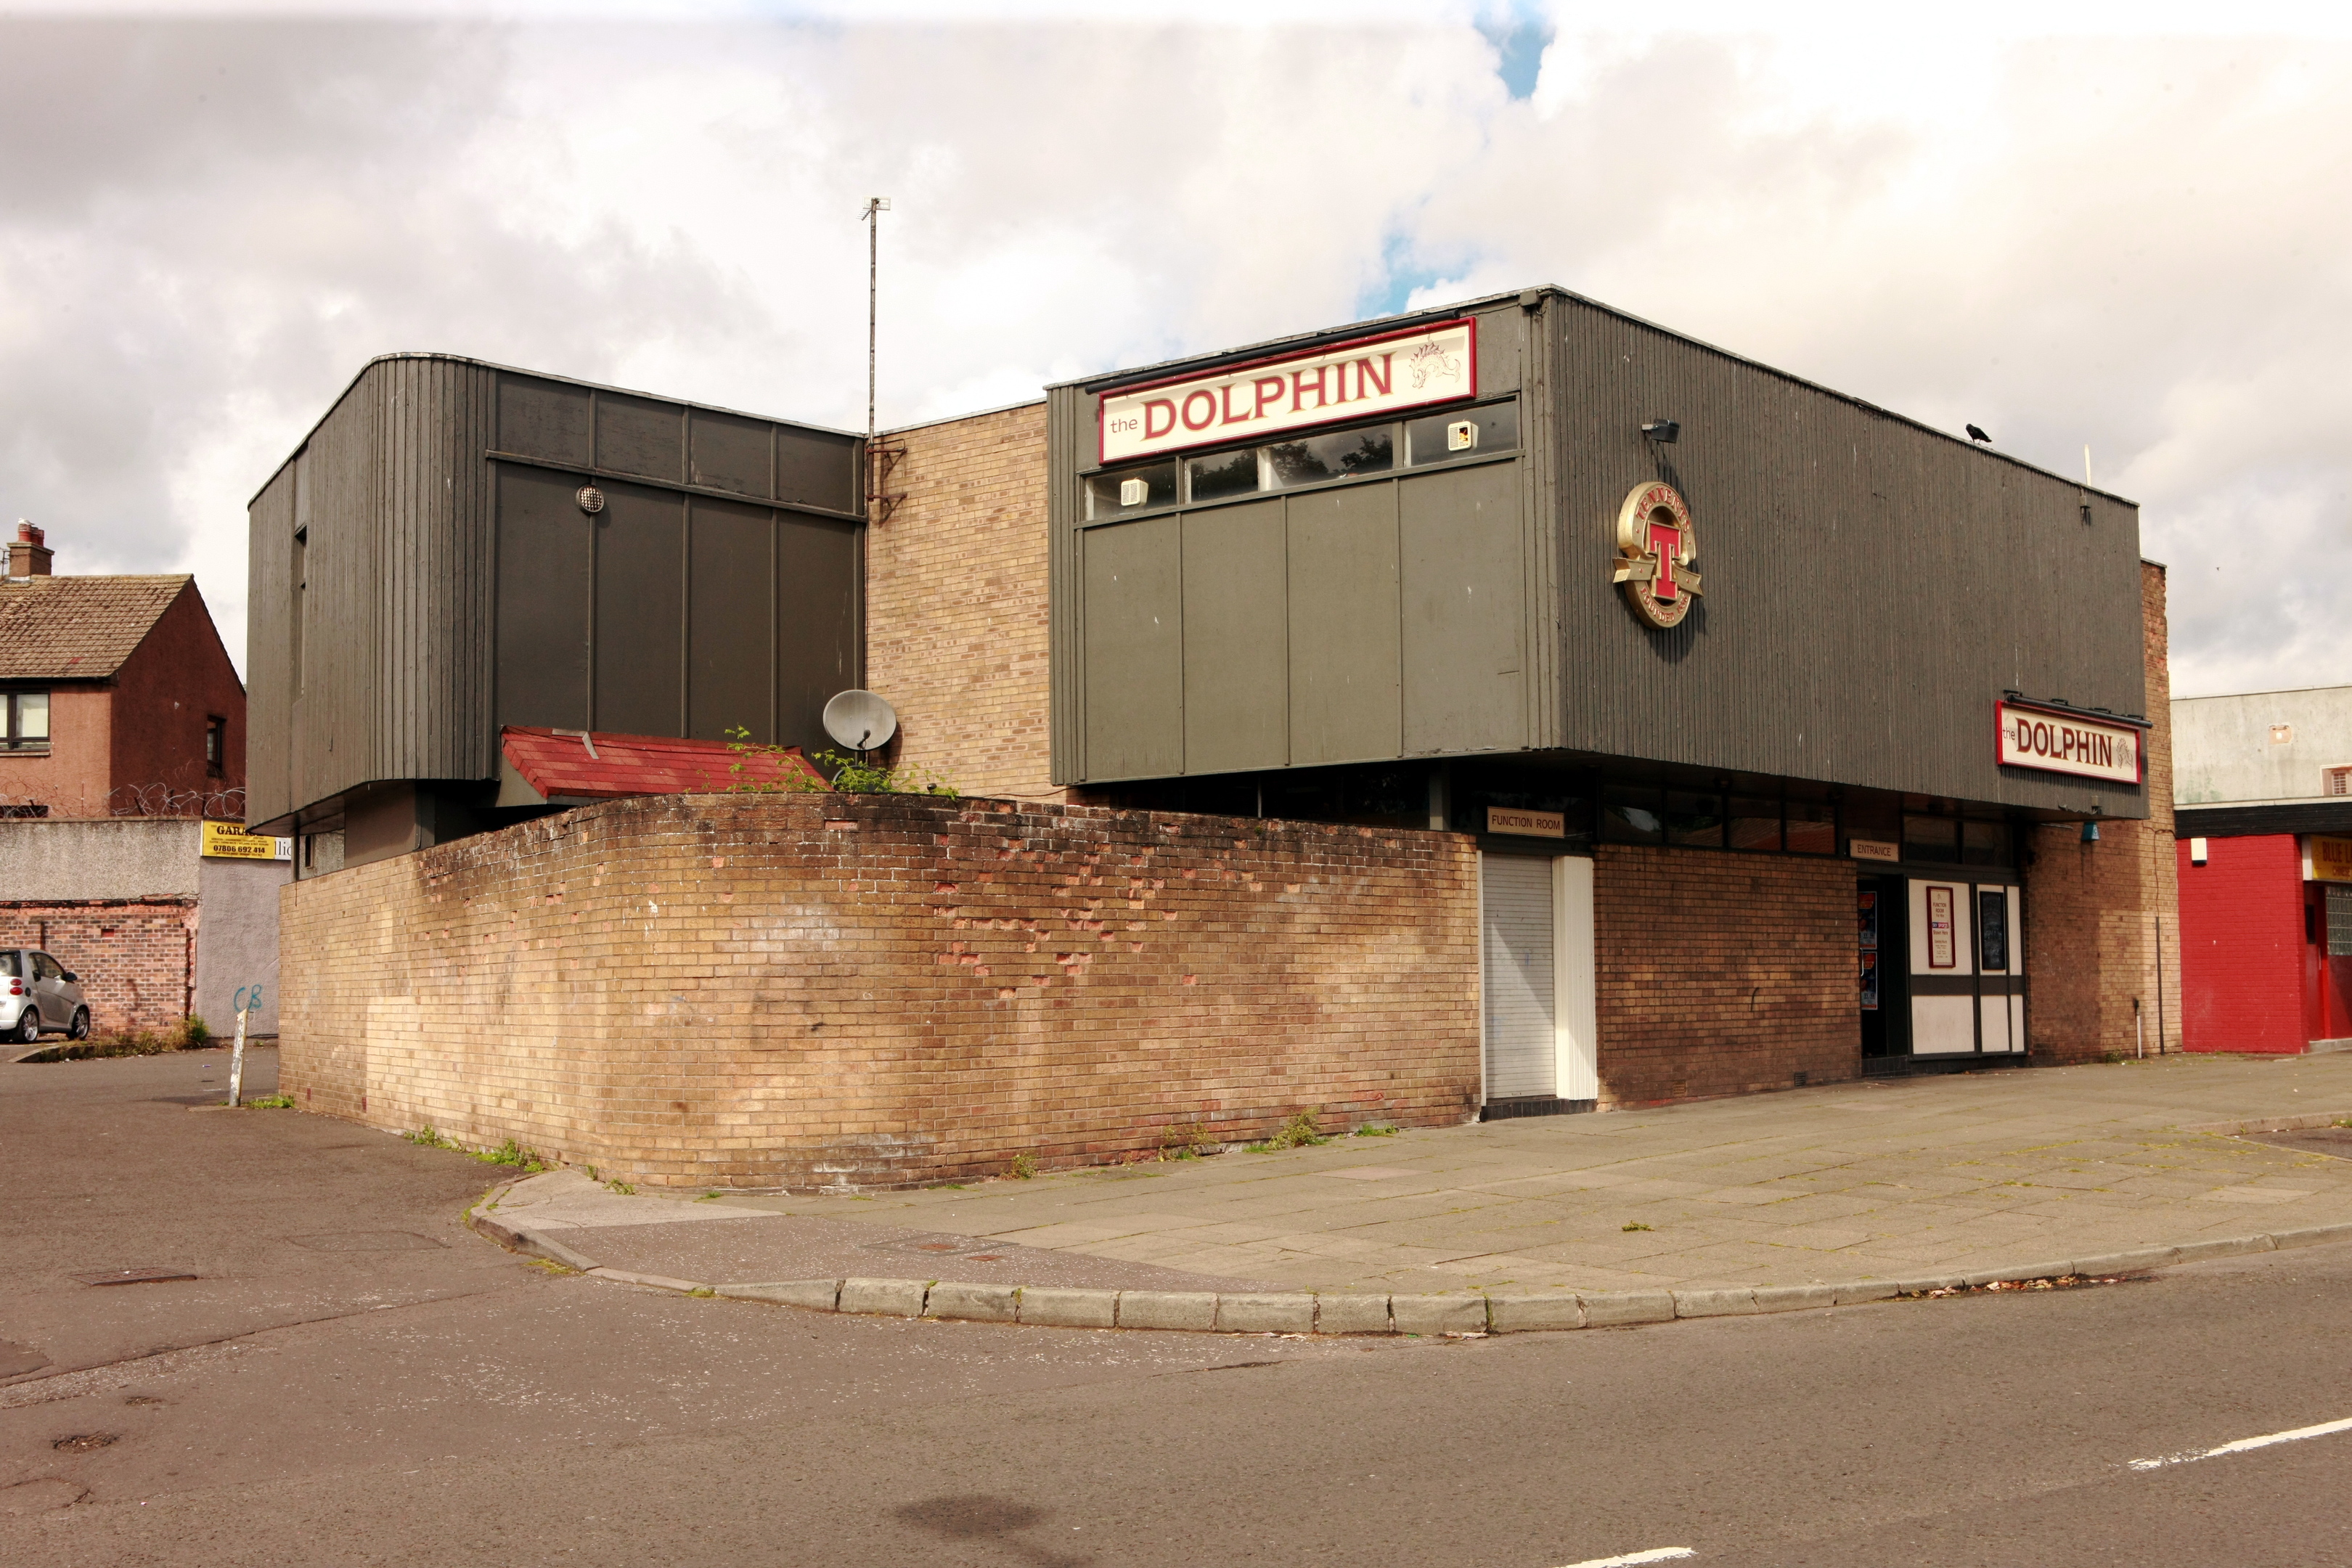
(1656, 547)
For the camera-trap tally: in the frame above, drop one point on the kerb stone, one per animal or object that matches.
(1794, 1298)
(1351, 1315)
(1061, 1308)
(1608, 1308)
(884, 1298)
(816, 1295)
(1274, 1312)
(1438, 1314)
(1195, 1311)
(1713, 1303)
(974, 1303)
(1531, 1314)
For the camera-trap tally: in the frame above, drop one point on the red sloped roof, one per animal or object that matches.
(607, 767)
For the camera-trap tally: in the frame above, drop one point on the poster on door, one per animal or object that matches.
(1866, 920)
(1870, 983)
(1942, 953)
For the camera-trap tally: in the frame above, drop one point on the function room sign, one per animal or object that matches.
(2060, 741)
(1363, 377)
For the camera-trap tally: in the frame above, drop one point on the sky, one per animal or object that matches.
(2115, 227)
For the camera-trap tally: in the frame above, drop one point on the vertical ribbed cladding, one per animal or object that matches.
(335, 742)
(269, 592)
(431, 701)
(1548, 559)
(1870, 586)
(1068, 416)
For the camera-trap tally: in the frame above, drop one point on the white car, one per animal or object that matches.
(39, 995)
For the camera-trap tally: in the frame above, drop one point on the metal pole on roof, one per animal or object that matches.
(875, 207)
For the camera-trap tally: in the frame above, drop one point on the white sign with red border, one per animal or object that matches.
(1433, 363)
(2057, 740)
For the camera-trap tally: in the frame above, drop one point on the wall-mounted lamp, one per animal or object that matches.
(1662, 430)
(2090, 833)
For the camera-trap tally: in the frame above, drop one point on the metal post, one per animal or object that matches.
(874, 206)
(236, 1059)
(2159, 986)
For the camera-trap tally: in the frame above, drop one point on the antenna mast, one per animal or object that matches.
(875, 207)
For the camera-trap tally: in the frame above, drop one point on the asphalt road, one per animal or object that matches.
(306, 1402)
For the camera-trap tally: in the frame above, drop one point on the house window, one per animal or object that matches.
(216, 745)
(27, 718)
(2336, 781)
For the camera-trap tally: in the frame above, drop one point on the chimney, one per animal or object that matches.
(27, 555)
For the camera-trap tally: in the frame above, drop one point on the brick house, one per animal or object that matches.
(122, 727)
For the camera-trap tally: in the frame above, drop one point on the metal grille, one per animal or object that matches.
(2339, 921)
(1521, 1050)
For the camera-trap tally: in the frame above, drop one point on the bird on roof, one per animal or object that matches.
(1975, 433)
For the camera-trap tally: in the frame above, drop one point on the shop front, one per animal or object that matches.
(1781, 722)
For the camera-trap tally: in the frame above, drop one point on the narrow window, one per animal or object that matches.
(215, 746)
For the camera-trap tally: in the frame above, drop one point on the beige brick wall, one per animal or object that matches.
(956, 603)
(2092, 910)
(801, 991)
(1722, 974)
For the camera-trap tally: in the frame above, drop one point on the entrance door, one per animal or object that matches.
(1540, 1013)
(1967, 969)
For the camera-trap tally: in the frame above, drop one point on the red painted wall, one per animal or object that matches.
(176, 678)
(2326, 982)
(2243, 953)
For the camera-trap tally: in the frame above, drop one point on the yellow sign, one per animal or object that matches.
(2326, 859)
(1535, 824)
(230, 841)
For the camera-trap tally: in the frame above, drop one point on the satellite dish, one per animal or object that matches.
(860, 721)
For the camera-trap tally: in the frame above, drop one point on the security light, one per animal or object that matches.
(2090, 833)
(1662, 429)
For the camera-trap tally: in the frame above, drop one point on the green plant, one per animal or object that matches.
(1023, 1167)
(508, 1153)
(1374, 1130)
(626, 1189)
(707, 1198)
(1634, 1224)
(425, 1137)
(1299, 1132)
(1188, 1143)
(842, 772)
(272, 1102)
(194, 1034)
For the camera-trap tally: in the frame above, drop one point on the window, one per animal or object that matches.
(2339, 921)
(8, 970)
(1984, 843)
(1755, 823)
(1313, 458)
(46, 968)
(27, 718)
(2335, 781)
(1931, 840)
(1812, 827)
(1630, 816)
(216, 745)
(1696, 820)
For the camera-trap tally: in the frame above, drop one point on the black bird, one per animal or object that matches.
(1975, 433)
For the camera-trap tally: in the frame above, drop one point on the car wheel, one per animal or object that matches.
(79, 1028)
(28, 1027)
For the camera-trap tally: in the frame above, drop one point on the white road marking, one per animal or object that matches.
(2241, 1446)
(1655, 1554)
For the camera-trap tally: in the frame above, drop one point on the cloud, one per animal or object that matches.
(2110, 238)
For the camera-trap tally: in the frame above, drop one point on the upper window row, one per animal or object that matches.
(1307, 461)
(26, 717)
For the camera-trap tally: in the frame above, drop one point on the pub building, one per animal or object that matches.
(1800, 739)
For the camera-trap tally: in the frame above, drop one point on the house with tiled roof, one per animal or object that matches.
(116, 697)
(123, 798)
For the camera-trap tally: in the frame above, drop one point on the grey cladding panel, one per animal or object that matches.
(731, 453)
(1465, 582)
(816, 629)
(635, 435)
(640, 610)
(543, 419)
(729, 662)
(1237, 701)
(268, 651)
(1344, 645)
(1134, 649)
(816, 469)
(543, 597)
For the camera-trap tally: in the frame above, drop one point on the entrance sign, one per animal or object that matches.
(230, 841)
(2326, 859)
(1655, 545)
(1870, 849)
(1533, 823)
(1433, 363)
(2059, 742)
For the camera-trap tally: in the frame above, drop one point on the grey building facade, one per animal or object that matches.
(459, 546)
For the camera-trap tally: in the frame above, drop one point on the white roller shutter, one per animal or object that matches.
(1521, 1033)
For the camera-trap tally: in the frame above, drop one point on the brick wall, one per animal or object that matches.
(955, 603)
(135, 957)
(765, 991)
(2242, 948)
(1722, 974)
(2092, 910)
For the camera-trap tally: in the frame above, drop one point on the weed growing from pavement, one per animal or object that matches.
(1023, 1167)
(271, 1102)
(626, 1189)
(1375, 1132)
(508, 1153)
(1635, 1225)
(1187, 1143)
(1299, 1132)
(189, 1033)
(707, 1198)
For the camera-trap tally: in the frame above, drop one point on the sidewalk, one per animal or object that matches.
(1880, 1179)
